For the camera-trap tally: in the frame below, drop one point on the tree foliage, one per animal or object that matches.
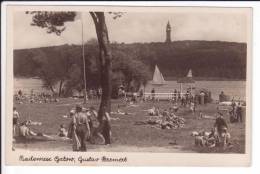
(207, 59)
(52, 21)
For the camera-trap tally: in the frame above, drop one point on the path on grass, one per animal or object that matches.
(65, 146)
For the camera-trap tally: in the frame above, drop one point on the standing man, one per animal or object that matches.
(233, 104)
(153, 94)
(15, 120)
(106, 132)
(239, 112)
(221, 132)
(175, 95)
(81, 129)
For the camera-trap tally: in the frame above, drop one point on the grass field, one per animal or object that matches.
(126, 136)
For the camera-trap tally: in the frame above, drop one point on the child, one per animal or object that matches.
(62, 131)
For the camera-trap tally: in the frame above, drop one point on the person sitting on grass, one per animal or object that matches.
(119, 111)
(165, 124)
(25, 132)
(62, 131)
(175, 107)
(157, 111)
(151, 111)
(171, 112)
(200, 115)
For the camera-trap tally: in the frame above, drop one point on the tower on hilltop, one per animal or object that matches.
(168, 33)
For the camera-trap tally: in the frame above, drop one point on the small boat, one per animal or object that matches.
(158, 78)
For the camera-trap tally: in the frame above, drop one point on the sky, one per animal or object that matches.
(136, 27)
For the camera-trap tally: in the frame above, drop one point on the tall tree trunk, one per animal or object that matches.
(105, 62)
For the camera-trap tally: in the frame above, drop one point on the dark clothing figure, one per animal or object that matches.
(153, 94)
(175, 95)
(20, 93)
(233, 107)
(239, 113)
(81, 132)
(106, 131)
(179, 96)
(220, 124)
(141, 93)
(221, 132)
(182, 101)
(80, 123)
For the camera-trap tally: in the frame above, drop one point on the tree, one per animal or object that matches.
(54, 22)
(104, 62)
(134, 71)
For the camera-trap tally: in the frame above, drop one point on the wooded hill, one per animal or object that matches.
(207, 59)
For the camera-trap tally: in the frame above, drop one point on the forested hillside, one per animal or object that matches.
(207, 59)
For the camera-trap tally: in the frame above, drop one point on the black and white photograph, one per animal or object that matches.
(149, 80)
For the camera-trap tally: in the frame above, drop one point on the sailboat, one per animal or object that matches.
(158, 78)
(189, 74)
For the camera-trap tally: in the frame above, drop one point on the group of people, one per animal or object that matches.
(176, 97)
(218, 137)
(22, 131)
(94, 93)
(85, 126)
(156, 111)
(42, 97)
(236, 112)
(166, 118)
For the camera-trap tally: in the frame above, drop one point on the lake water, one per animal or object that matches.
(236, 89)
(28, 84)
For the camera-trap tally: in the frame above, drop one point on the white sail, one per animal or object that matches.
(158, 77)
(162, 78)
(189, 73)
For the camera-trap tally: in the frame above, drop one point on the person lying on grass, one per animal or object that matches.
(25, 132)
(120, 112)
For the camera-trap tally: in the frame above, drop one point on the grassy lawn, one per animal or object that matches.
(126, 136)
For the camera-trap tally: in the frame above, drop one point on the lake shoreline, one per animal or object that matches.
(205, 79)
(166, 78)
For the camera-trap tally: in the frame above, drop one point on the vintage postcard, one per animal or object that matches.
(128, 86)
